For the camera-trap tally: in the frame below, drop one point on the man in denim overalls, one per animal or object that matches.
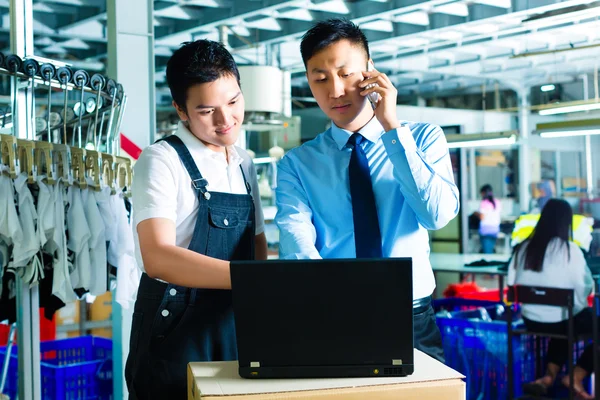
(195, 208)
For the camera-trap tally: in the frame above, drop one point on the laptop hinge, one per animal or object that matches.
(396, 362)
(254, 364)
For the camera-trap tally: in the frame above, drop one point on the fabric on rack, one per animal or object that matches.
(107, 213)
(10, 226)
(97, 244)
(123, 253)
(77, 241)
(28, 246)
(45, 212)
(61, 283)
(50, 302)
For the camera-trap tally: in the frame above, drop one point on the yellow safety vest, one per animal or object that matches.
(582, 229)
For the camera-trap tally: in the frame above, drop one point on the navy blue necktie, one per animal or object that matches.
(367, 236)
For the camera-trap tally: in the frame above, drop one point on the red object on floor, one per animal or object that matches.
(471, 291)
(47, 329)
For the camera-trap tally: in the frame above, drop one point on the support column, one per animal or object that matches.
(464, 217)
(28, 332)
(524, 156)
(472, 174)
(130, 34)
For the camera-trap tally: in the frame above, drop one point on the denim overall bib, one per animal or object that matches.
(174, 325)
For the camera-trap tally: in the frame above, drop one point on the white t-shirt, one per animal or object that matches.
(562, 269)
(78, 242)
(107, 213)
(162, 186)
(10, 226)
(25, 249)
(45, 212)
(97, 244)
(61, 282)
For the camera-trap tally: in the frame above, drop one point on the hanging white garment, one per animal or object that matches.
(128, 273)
(97, 244)
(61, 281)
(28, 246)
(46, 220)
(78, 239)
(10, 226)
(107, 213)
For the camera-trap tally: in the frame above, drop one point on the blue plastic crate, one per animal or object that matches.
(76, 368)
(475, 344)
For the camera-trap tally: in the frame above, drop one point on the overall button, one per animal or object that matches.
(172, 292)
(207, 196)
(165, 313)
(226, 222)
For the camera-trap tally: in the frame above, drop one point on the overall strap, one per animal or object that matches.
(248, 189)
(198, 182)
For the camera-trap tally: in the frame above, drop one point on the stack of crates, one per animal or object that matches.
(475, 341)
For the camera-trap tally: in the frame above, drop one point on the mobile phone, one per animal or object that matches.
(373, 97)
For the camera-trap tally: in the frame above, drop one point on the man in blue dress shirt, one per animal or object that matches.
(324, 204)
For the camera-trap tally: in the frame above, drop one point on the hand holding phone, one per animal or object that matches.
(373, 97)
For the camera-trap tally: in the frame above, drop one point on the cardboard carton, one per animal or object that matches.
(431, 380)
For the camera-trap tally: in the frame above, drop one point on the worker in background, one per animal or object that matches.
(489, 215)
(371, 185)
(550, 256)
(196, 206)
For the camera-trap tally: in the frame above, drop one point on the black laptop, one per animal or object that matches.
(323, 318)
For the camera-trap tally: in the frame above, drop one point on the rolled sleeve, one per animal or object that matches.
(154, 186)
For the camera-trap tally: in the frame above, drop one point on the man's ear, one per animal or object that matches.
(180, 111)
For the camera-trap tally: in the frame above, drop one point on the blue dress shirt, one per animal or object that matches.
(414, 190)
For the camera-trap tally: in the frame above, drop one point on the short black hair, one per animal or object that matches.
(325, 33)
(198, 62)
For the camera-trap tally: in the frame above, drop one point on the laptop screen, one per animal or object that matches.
(323, 312)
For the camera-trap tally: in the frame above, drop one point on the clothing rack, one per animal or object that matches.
(56, 146)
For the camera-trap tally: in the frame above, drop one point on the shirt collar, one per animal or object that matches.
(372, 131)
(199, 149)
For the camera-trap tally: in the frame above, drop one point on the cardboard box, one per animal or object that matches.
(431, 380)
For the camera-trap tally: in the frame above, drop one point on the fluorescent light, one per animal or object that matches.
(582, 132)
(483, 142)
(378, 25)
(415, 18)
(458, 9)
(547, 88)
(300, 14)
(332, 6)
(266, 24)
(570, 109)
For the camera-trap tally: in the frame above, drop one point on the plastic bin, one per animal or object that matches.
(475, 344)
(75, 368)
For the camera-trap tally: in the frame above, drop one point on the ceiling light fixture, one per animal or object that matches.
(570, 109)
(458, 141)
(582, 132)
(547, 88)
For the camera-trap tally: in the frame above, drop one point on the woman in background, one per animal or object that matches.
(549, 258)
(489, 214)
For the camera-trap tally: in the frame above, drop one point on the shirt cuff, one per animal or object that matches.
(399, 139)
